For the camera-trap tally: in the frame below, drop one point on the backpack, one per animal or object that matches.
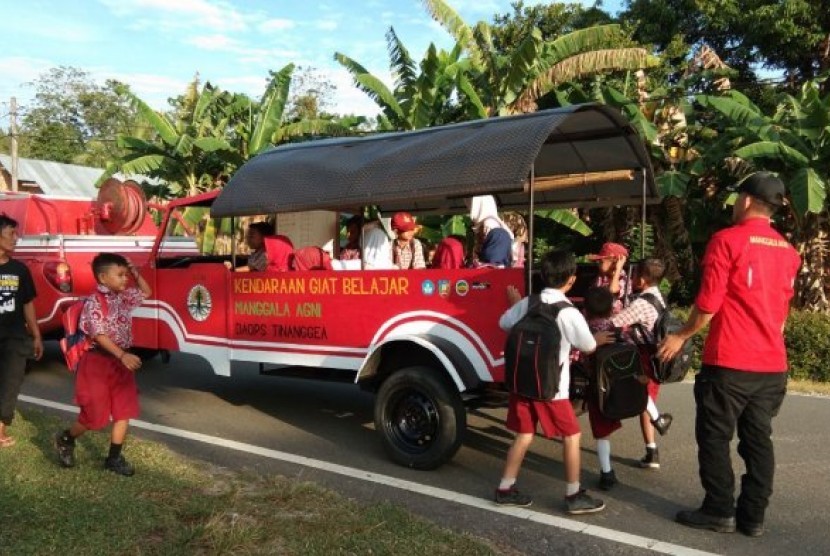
(667, 323)
(621, 381)
(531, 354)
(75, 343)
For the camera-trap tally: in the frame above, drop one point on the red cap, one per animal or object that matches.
(403, 222)
(609, 250)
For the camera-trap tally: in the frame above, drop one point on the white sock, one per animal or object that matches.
(571, 488)
(505, 483)
(651, 445)
(604, 454)
(651, 408)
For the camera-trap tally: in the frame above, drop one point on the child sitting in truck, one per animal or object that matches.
(105, 384)
(407, 251)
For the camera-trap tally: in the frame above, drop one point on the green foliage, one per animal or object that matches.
(74, 120)
(640, 241)
(786, 35)
(807, 336)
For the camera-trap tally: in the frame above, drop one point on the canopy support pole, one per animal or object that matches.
(531, 236)
(643, 219)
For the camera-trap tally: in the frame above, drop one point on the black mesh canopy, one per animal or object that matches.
(578, 156)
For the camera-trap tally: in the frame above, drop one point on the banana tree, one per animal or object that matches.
(796, 143)
(505, 84)
(189, 150)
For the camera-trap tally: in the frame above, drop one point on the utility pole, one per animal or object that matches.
(13, 117)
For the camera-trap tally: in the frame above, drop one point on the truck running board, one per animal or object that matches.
(313, 373)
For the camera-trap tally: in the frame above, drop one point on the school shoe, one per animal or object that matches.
(700, 520)
(662, 423)
(651, 460)
(512, 497)
(750, 529)
(607, 480)
(65, 447)
(581, 503)
(119, 466)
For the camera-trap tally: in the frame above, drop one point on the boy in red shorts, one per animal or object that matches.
(105, 384)
(556, 416)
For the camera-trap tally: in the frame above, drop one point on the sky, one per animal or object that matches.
(157, 46)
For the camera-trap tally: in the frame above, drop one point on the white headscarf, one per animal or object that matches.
(377, 248)
(485, 214)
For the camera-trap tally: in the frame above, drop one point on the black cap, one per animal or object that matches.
(764, 186)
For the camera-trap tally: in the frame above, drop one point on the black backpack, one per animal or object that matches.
(667, 323)
(621, 381)
(531, 355)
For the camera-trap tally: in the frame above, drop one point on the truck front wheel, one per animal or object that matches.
(420, 417)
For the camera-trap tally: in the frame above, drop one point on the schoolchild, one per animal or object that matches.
(517, 225)
(105, 386)
(611, 260)
(19, 333)
(377, 245)
(351, 251)
(407, 251)
(485, 219)
(637, 321)
(555, 416)
(449, 253)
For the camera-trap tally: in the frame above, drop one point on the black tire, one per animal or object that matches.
(420, 417)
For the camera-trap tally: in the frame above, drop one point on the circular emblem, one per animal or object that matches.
(462, 287)
(427, 287)
(199, 303)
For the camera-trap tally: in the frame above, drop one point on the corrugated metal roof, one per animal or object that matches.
(56, 178)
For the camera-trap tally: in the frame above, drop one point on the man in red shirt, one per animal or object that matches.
(748, 275)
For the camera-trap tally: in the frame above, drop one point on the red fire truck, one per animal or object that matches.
(427, 342)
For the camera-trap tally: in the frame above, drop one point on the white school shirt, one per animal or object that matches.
(574, 329)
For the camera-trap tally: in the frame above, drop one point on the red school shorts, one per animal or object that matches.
(601, 426)
(556, 417)
(104, 388)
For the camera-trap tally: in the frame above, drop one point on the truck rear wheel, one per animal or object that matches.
(420, 417)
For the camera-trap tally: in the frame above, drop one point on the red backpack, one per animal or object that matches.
(75, 343)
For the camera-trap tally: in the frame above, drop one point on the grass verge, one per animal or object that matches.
(176, 506)
(809, 387)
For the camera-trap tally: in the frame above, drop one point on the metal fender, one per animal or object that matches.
(416, 347)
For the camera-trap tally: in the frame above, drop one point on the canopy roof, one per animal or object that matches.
(580, 156)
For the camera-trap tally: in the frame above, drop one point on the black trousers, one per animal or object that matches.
(13, 354)
(726, 399)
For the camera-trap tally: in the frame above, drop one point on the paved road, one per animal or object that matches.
(333, 422)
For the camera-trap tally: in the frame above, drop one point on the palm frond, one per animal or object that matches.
(401, 63)
(160, 123)
(271, 109)
(374, 89)
(449, 19)
(582, 65)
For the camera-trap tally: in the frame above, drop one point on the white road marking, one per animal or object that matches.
(426, 490)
